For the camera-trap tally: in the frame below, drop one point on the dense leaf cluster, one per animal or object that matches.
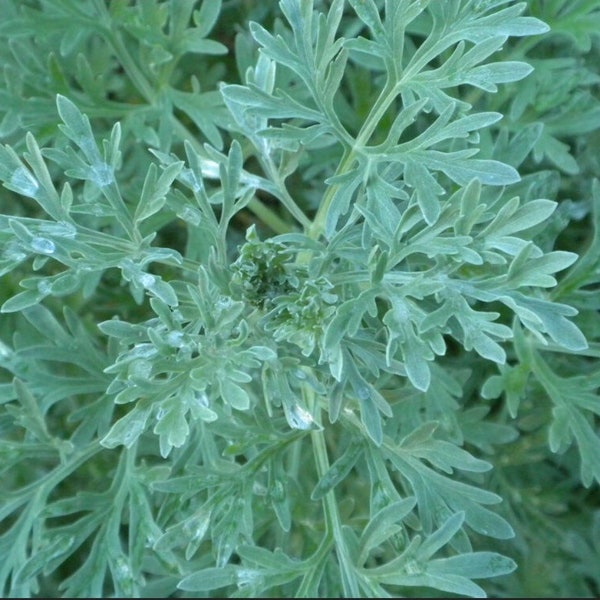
(299, 298)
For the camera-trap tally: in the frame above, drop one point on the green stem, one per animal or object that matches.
(309, 585)
(283, 195)
(133, 72)
(332, 516)
(333, 521)
(107, 28)
(383, 102)
(268, 216)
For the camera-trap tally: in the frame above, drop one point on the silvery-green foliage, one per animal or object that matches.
(299, 313)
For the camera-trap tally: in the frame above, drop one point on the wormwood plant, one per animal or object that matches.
(280, 306)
